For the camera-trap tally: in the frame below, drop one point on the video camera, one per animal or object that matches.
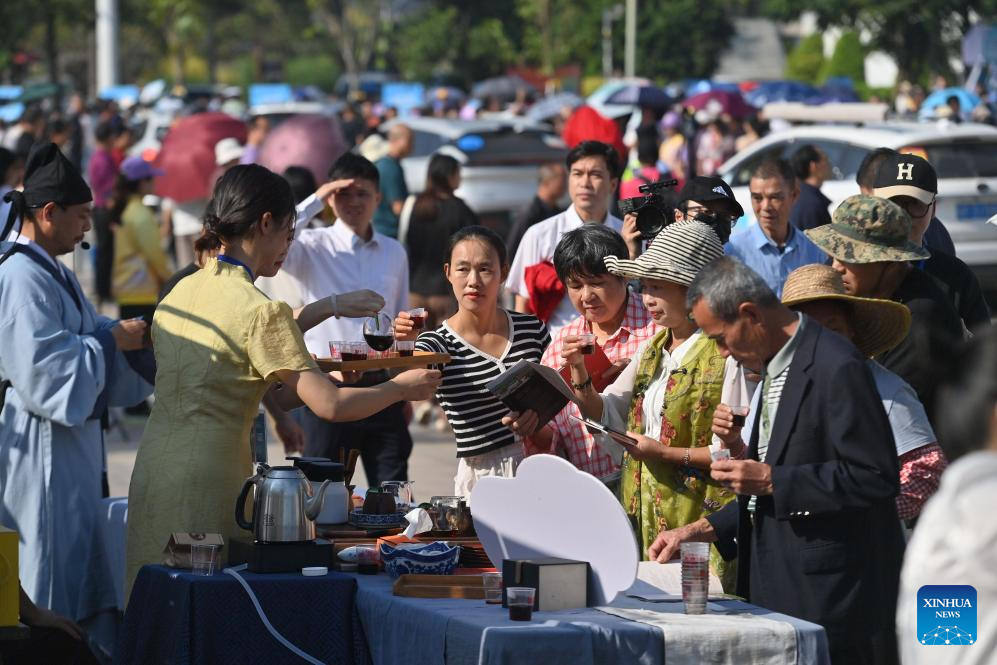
(655, 210)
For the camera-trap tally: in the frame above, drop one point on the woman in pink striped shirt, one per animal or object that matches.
(619, 322)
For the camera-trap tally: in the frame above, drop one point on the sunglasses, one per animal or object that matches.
(913, 207)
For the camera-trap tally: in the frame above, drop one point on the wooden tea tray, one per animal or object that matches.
(419, 359)
(440, 586)
(345, 532)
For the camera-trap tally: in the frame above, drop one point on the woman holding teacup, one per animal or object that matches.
(665, 398)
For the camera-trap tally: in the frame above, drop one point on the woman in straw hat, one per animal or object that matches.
(666, 397)
(874, 326)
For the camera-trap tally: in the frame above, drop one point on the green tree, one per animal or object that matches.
(488, 48)
(355, 26)
(467, 39)
(682, 39)
(262, 31)
(562, 32)
(806, 61)
(675, 40)
(177, 25)
(847, 60)
(318, 70)
(34, 26)
(921, 36)
(424, 45)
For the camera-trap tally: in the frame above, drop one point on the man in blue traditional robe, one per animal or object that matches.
(61, 366)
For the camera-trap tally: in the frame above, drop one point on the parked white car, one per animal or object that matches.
(499, 161)
(278, 112)
(965, 157)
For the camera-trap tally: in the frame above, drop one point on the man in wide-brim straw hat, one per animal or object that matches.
(869, 240)
(875, 326)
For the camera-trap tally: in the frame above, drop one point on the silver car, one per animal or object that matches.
(964, 156)
(499, 161)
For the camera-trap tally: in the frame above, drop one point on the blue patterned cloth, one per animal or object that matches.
(179, 618)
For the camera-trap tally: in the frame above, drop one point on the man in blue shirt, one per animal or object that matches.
(772, 247)
(393, 188)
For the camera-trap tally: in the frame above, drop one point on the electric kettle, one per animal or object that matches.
(284, 509)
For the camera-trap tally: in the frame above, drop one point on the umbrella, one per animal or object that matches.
(730, 103)
(830, 93)
(586, 124)
(645, 96)
(967, 101)
(548, 107)
(188, 154)
(11, 112)
(780, 91)
(504, 88)
(445, 93)
(836, 89)
(310, 140)
(698, 87)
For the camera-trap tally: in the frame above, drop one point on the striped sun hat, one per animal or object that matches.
(676, 255)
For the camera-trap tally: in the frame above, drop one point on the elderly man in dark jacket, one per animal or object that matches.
(815, 526)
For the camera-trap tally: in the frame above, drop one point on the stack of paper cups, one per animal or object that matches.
(695, 576)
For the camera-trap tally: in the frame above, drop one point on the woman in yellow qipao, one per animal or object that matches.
(220, 344)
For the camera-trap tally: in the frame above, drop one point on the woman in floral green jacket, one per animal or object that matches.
(666, 397)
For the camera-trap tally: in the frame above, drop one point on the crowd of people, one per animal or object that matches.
(844, 335)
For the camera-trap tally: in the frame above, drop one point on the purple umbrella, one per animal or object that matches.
(313, 141)
(731, 103)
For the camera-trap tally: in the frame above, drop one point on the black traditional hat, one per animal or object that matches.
(48, 178)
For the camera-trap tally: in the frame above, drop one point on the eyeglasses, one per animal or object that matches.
(704, 214)
(914, 207)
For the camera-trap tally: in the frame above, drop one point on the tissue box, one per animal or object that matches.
(9, 595)
(561, 584)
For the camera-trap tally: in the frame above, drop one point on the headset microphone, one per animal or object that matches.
(85, 245)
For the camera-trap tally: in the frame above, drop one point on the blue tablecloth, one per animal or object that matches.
(176, 617)
(470, 632)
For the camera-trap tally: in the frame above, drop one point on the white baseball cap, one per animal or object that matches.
(228, 150)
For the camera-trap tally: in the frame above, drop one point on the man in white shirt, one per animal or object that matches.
(348, 256)
(593, 174)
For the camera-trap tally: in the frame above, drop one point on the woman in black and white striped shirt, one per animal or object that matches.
(483, 340)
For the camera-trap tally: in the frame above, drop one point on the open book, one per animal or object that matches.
(528, 385)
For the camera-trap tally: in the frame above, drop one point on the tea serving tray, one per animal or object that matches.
(418, 359)
(440, 586)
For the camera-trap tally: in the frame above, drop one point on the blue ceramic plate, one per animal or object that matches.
(433, 559)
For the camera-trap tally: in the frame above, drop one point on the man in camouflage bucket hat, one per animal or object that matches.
(868, 229)
(869, 240)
